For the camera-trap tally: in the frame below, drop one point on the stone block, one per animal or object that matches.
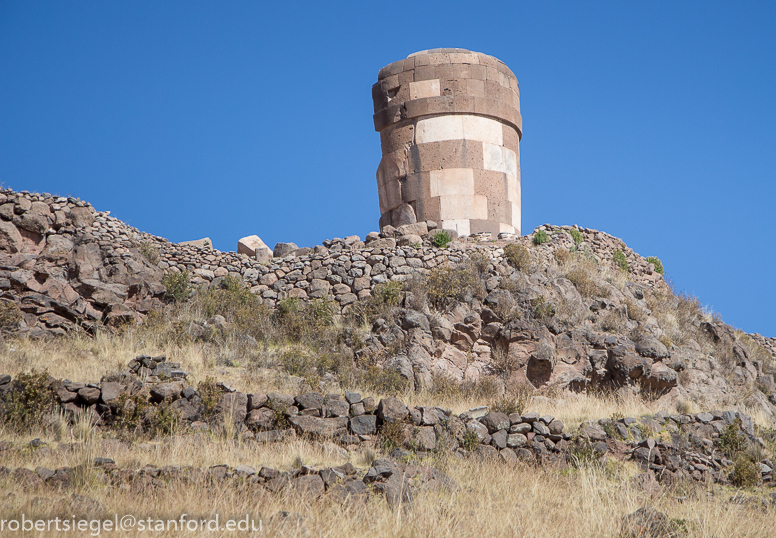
(254, 247)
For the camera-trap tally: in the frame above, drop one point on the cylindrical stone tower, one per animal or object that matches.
(450, 129)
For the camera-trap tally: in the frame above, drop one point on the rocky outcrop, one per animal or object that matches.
(66, 267)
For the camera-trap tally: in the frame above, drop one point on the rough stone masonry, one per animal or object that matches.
(450, 128)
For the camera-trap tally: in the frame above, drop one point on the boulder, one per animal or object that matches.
(495, 421)
(649, 346)
(391, 410)
(284, 249)
(363, 425)
(254, 247)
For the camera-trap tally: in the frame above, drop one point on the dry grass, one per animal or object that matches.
(588, 501)
(584, 501)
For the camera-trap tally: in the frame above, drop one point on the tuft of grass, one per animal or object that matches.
(577, 236)
(540, 237)
(657, 263)
(150, 252)
(518, 256)
(620, 261)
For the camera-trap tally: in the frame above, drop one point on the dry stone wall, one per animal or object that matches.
(670, 448)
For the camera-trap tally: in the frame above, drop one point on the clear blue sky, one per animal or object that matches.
(653, 121)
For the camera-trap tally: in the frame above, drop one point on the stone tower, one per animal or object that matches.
(450, 128)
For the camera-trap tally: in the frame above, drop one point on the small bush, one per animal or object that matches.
(732, 441)
(392, 435)
(540, 237)
(383, 381)
(177, 286)
(515, 400)
(657, 263)
(518, 257)
(441, 239)
(612, 321)
(745, 473)
(209, 395)
(28, 402)
(10, 315)
(542, 308)
(388, 293)
(448, 282)
(585, 283)
(620, 261)
(577, 236)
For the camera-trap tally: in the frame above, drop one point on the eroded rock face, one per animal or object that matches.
(69, 267)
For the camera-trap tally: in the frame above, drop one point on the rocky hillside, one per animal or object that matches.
(565, 308)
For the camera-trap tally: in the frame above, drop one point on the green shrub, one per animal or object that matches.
(732, 441)
(577, 236)
(518, 256)
(31, 398)
(619, 260)
(657, 263)
(441, 239)
(177, 286)
(745, 473)
(540, 237)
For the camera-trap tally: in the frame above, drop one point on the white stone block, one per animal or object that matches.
(438, 128)
(452, 181)
(510, 162)
(513, 189)
(516, 217)
(424, 88)
(461, 226)
(483, 130)
(468, 207)
(493, 157)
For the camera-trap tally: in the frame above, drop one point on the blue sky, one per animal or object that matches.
(652, 121)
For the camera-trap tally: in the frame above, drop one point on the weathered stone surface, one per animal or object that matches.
(646, 522)
(363, 425)
(495, 421)
(391, 410)
(325, 427)
(234, 405)
(282, 250)
(204, 243)
(166, 392)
